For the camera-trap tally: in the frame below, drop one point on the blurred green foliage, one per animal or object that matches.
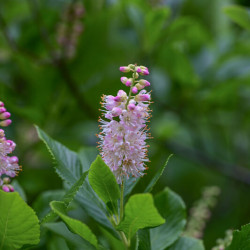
(200, 73)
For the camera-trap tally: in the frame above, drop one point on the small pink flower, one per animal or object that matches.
(134, 90)
(124, 69)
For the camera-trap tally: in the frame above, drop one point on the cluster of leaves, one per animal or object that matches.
(149, 222)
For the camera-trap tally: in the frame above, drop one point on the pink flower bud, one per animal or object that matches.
(142, 98)
(138, 70)
(2, 110)
(145, 72)
(1, 133)
(124, 79)
(1, 104)
(134, 90)
(139, 86)
(129, 82)
(5, 123)
(11, 188)
(131, 106)
(116, 111)
(118, 99)
(5, 115)
(5, 188)
(124, 69)
(13, 159)
(145, 83)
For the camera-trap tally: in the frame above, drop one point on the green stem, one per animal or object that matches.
(130, 91)
(121, 200)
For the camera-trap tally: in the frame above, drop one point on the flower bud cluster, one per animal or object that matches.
(70, 29)
(8, 164)
(124, 131)
(200, 212)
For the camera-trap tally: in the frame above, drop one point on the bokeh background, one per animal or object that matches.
(57, 57)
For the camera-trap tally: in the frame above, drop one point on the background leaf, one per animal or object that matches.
(18, 224)
(239, 14)
(172, 209)
(185, 243)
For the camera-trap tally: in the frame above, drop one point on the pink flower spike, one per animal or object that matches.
(2, 110)
(1, 104)
(5, 123)
(5, 115)
(128, 83)
(131, 106)
(134, 90)
(5, 188)
(124, 69)
(116, 111)
(124, 79)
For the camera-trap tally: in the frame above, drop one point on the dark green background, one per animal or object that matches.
(200, 76)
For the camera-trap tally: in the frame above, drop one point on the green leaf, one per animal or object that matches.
(67, 198)
(156, 177)
(172, 209)
(241, 239)
(76, 226)
(239, 14)
(68, 165)
(60, 229)
(144, 240)
(140, 212)
(103, 181)
(184, 243)
(87, 156)
(19, 224)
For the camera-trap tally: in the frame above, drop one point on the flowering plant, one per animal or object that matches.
(104, 189)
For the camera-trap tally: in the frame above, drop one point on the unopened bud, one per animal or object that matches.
(14, 159)
(142, 97)
(1, 104)
(2, 110)
(11, 188)
(6, 180)
(5, 115)
(124, 69)
(116, 111)
(5, 188)
(124, 79)
(131, 66)
(5, 123)
(134, 90)
(131, 106)
(145, 83)
(139, 86)
(129, 82)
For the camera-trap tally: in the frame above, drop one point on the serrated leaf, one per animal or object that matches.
(19, 224)
(103, 181)
(68, 164)
(156, 176)
(239, 14)
(184, 243)
(67, 198)
(172, 209)
(140, 212)
(60, 229)
(241, 239)
(87, 156)
(76, 226)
